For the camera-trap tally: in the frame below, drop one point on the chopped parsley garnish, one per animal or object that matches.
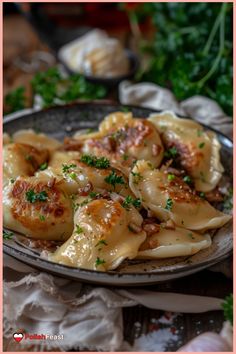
(171, 152)
(43, 166)
(67, 168)
(228, 308)
(199, 132)
(131, 201)
(12, 180)
(29, 158)
(169, 204)
(99, 261)
(170, 177)
(93, 194)
(201, 145)
(101, 242)
(42, 218)
(7, 235)
(125, 157)
(187, 179)
(202, 195)
(93, 161)
(114, 179)
(72, 175)
(137, 177)
(33, 197)
(79, 229)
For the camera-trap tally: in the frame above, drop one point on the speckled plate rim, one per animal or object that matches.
(62, 270)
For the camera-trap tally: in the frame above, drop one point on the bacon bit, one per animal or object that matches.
(156, 149)
(153, 243)
(214, 196)
(71, 144)
(170, 225)
(134, 228)
(84, 191)
(151, 229)
(175, 171)
(150, 220)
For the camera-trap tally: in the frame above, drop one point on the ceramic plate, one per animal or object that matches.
(66, 120)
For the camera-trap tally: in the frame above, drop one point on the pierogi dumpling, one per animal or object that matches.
(173, 243)
(105, 233)
(173, 199)
(198, 150)
(37, 208)
(21, 160)
(123, 139)
(38, 140)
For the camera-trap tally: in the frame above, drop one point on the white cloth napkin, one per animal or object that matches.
(90, 317)
(201, 108)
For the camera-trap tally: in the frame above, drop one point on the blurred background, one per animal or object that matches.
(186, 47)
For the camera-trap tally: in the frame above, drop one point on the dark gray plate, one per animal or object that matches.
(66, 120)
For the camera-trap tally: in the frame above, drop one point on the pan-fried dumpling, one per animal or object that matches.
(173, 199)
(198, 150)
(38, 140)
(78, 177)
(38, 208)
(123, 139)
(105, 234)
(173, 243)
(21, 160)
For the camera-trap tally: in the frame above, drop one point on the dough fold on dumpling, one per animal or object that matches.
(38, 140)
(198, 150)
(105, 234)
(173, 243)
(173, 199)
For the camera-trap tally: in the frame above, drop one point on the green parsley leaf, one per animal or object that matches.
(114, 179)
(171, 152)
(97, 162)
(7, 235)
(137, 177)
(101, 242)
(67, 168)
(33, 197)
(201, 145)
(170, 177)
(125, 157)
(99, 261)
(187, 179)
(228, 308)
(79, 229)
(43, 166)
(129, 200)
(42, 218)
(12, 180)
(169, 204)
(202, 195)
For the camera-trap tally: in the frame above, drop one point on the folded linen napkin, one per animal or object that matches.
(90, 317)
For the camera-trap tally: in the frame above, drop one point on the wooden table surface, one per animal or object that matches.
(137, 320)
